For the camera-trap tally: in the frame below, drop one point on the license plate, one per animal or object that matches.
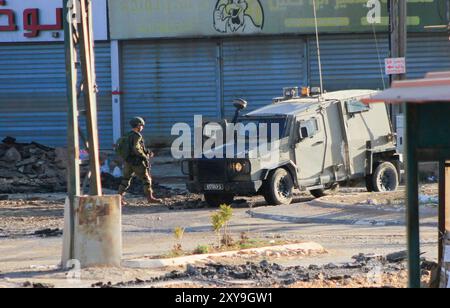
(214, 187)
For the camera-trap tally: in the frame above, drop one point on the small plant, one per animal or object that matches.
(220, 221)
(244, 237)
(201, 250)
(217, 224)
(178, 233)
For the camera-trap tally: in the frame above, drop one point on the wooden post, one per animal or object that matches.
(90, 95)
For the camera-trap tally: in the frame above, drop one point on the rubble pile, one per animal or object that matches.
(31, 168)
(365, 271)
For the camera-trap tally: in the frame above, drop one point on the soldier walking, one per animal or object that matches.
(137, 161)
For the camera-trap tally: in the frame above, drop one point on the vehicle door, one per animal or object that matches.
(310, 148)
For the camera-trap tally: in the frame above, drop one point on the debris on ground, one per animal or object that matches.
(33, 285)
(31, 216)
(394, 200)
(31, 167)
(49, 233)
(428, 200)
(136, 188)
(365, 271)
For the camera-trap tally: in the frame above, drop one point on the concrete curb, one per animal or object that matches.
(306, 248)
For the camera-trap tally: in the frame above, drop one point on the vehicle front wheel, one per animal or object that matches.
(216, 200)
(279, 188)
(385, 178)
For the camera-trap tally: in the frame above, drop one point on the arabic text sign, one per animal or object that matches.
(41, 21)
(395, 66)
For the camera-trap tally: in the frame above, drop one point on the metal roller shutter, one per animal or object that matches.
(258, 69)
(427, 53)
(352, 62)
(349, 62)
(33, 103)
(168, 82)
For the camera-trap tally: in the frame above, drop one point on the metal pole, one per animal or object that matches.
(319, 56)
(398, 41)
(73, 147)
(412, 171)
(90, 95)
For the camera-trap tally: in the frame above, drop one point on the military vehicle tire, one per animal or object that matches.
(385, 178)
(216, 200)
(279, 188)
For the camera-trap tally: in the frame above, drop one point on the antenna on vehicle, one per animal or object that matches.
(318, 49)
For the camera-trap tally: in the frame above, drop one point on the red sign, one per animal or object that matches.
(395, 66)
(31, 22)
(42, 21)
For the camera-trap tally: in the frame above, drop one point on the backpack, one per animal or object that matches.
(123, 147)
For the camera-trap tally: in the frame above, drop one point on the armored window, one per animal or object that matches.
(309, 128)
(355, 106)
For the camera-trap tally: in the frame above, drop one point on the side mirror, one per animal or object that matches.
(240, 104)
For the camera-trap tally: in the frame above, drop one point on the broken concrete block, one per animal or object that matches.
(12, 156)
(9, 140)
(25, 162)
(61, 158)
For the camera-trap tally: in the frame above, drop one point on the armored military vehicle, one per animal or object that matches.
(326, 140)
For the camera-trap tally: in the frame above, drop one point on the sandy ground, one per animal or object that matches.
(346, 224)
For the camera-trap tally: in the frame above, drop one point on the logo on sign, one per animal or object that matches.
(238, 16)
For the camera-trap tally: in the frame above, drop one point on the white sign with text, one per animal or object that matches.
(395, 66)
(42, 21)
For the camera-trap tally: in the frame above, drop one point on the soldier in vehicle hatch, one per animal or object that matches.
(132, 149)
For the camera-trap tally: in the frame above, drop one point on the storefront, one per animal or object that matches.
(184, 58)
(170, 60)
(33, 102)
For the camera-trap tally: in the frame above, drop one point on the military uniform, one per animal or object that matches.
(137, 164)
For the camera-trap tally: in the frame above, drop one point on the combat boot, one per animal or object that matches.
(152, 200)
(122, 200)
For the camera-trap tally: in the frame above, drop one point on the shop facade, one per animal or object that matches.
(170, 60)
(33, 99)
(187, 58)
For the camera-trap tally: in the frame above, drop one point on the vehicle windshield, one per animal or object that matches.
(264, 128)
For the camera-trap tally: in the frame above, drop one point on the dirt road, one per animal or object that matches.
(345, 224)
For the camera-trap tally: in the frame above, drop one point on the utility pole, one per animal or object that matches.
(90, 94)
(93, 228)
(73, 142)
(398, 30)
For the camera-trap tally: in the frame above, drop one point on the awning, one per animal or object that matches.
(435, 87)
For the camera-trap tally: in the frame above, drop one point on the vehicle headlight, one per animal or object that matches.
(238, 167)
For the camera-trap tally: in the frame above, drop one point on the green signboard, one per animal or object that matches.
(133, 19)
